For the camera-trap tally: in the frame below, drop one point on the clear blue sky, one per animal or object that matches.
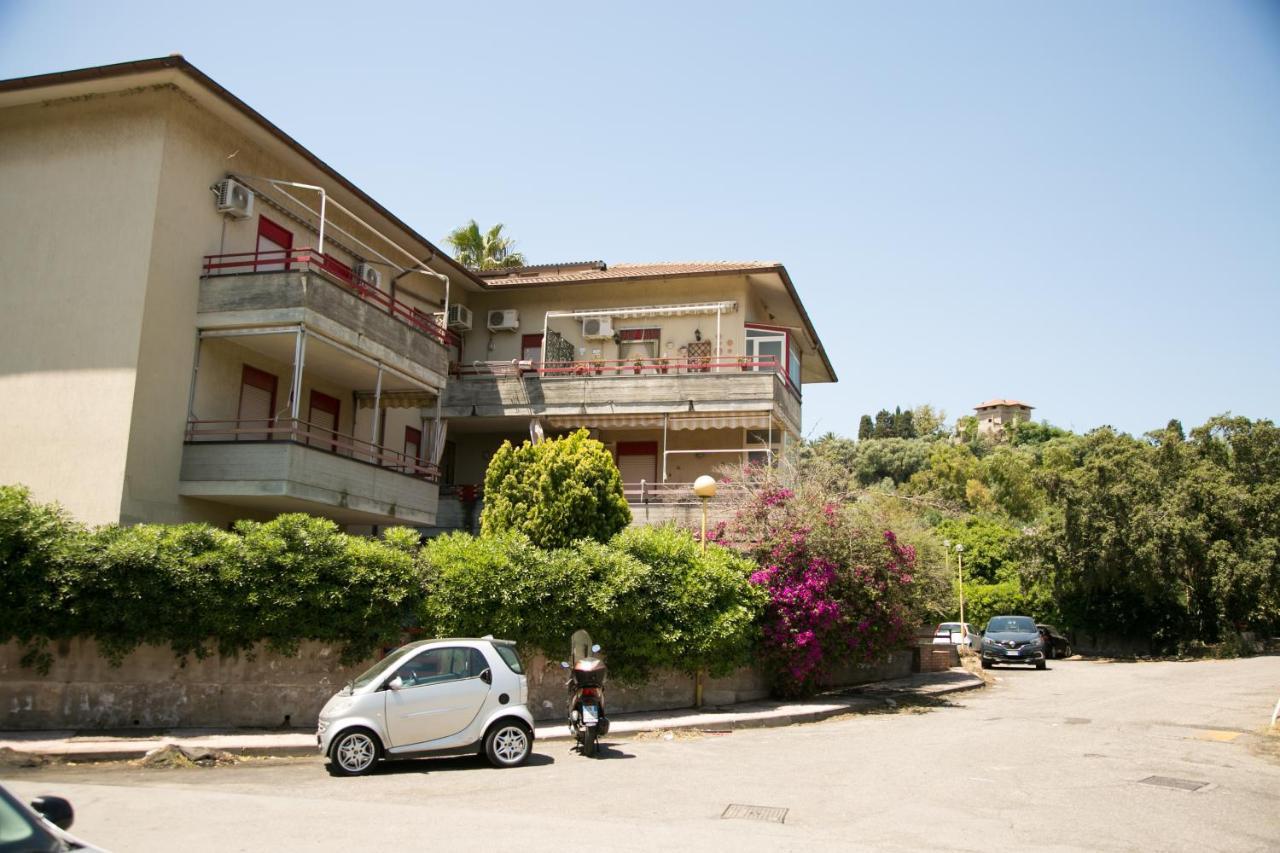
(1075, 204)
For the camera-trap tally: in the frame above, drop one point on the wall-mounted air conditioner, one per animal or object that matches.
(459, 317)
(506, 320)
(597, 327)
(368, 274)
(233, 199)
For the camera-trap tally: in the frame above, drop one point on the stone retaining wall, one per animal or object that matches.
(151, 689)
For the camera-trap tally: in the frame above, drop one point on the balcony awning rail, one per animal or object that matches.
(308, 434)
(309, 260)
(692, 309)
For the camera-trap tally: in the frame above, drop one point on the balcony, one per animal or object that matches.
(570, 389)
(302, 286)
(287, 465)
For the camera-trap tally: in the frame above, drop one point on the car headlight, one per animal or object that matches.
(336, 707)
(322, 726)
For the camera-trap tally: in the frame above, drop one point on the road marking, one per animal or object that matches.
(769, 814)
(1170, 782)
(1217, 735)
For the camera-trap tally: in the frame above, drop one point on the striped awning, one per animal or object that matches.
(742, 420)
(638, 421)
(396, 400)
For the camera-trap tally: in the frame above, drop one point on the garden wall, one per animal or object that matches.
(152, 690)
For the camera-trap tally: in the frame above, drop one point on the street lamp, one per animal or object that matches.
(705, 488)
(960, 578)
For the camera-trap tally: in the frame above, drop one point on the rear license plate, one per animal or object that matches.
(590, 715)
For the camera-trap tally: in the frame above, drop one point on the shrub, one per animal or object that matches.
(649, 597)
(554, 492)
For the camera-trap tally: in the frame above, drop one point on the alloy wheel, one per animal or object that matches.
(356, 752)
(510, 744)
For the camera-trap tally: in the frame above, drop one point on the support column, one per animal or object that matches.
(717, 339)
(295, 388)
(377, 418)
(195, 374)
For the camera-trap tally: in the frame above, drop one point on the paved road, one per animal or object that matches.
(1041, 761)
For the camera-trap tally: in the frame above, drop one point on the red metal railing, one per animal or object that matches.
(285, 260)
(320, 438)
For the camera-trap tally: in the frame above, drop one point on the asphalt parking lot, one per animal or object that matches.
(1084, 756)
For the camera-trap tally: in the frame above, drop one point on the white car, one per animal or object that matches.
(957, 634)
(432, 697)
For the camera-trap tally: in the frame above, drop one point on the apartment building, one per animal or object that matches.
(679, 369)
(202, 321)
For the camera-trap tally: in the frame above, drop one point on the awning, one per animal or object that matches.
(749, 420)
(606, 421)
(397, 400)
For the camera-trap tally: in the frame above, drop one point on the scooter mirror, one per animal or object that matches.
(595, 648)
(564, 664)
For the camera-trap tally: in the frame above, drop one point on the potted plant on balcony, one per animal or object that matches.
(744, 363)
(661, 364)
(597, 364)
(638, 365)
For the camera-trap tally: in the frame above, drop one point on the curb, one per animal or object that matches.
(727, 722)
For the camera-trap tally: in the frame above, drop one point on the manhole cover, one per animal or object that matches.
(769, 814)
(1170, 782)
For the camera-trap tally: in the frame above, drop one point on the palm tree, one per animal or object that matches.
(484, 251)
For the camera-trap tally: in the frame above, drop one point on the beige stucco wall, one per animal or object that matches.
(76, 222)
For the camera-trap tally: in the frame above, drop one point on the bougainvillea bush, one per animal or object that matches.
(842, 587)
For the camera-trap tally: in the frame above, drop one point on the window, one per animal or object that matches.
(440, 665)
(509, 657)
(275, 243)
(257, 404)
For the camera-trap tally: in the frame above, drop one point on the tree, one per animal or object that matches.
(929, 422)
(488, 250)
(555, 492)
(865, 428)
(884, 424)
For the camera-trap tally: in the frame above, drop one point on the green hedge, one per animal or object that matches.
(648, 595)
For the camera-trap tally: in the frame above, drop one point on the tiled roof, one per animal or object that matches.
(991, 404)
(568, 273)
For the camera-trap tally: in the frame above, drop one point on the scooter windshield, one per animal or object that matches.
(580, 646)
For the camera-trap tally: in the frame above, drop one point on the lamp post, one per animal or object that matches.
(960, 578)
(705, 488)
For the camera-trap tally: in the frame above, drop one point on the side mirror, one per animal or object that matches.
(487, 676)
(595, 649)
(56, 810)
(396, 683)
(564, 664)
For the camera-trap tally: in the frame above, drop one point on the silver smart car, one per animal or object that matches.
(432, 697)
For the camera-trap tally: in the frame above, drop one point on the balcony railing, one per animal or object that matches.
(627, 367)
(309, 260)
(310, 435)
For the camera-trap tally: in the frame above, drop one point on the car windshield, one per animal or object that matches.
(949, 626)
(509, 657)
(1011, 625)
(17, 831)
(378, 669)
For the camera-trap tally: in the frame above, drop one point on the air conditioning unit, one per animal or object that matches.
(234, 199)
(459, 317)
(597, 327)
(506, 320)
(368, 274)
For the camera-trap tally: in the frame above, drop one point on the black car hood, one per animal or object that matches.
(1017, 636)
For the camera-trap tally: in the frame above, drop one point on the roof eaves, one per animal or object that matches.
(179, 63)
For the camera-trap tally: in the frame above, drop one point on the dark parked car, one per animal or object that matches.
(1055, 645)
(40, 827)
(1012, 639)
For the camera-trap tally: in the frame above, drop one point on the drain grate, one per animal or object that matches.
(1170, 782)
(768, 814)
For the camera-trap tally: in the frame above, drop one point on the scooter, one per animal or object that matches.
(587, 719)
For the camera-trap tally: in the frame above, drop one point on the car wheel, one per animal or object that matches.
(354, 752)
(590, 745)
(1066, 651)
(507, 745)
(986, 664)
(1041, 664)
